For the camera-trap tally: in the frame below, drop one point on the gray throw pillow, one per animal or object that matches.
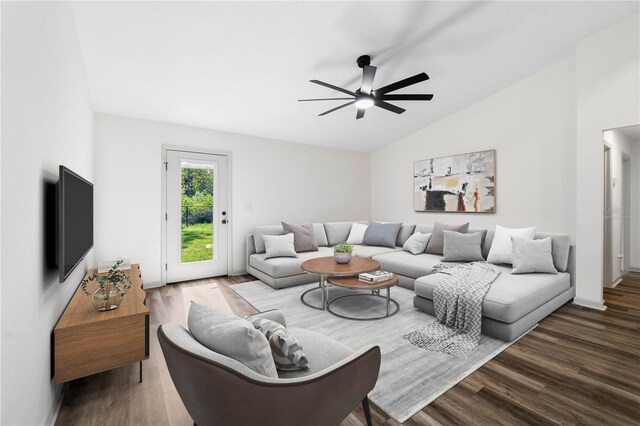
(304, 236)
(532, 256)
(462, 247)
(381, 234)
(232, 337)
(286, 350)
(436, 242)
(416, 243)
(279, 246)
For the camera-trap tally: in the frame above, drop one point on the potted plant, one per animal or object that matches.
(342, 253)
(112, 287)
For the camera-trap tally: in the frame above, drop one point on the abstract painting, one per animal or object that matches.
(459, 183)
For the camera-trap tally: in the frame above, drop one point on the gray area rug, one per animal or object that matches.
(410, 377)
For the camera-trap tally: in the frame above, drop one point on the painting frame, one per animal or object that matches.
(484, 180)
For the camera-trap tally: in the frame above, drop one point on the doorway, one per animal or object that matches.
(607, 249)
(196, 215)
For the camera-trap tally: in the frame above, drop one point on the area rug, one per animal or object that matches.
(410, 377)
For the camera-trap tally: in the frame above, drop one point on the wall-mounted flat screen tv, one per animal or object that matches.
(75, 220)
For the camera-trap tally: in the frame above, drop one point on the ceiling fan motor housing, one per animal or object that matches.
(363, 61)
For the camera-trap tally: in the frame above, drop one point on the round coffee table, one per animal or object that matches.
(327, 267)
(355, 284)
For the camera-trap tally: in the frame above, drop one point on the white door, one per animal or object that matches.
(196, 216)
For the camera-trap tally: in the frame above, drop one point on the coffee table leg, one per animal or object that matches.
(323, 285)
(388, 299)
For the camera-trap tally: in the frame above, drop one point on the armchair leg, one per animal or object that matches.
(367, 413)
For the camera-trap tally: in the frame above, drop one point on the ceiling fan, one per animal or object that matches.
(365, 97)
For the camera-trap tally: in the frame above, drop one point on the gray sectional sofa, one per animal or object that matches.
(513, 305)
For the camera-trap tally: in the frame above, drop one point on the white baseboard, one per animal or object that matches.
(616, 282)
(590, 304)
(147, 286)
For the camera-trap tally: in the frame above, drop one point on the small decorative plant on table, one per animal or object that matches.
(112, 287)
(342, 253)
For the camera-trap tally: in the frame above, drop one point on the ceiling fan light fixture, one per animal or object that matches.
(364, 102)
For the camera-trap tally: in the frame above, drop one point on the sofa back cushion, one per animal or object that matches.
(321, 235)
(423, 229)
(338, 232)
(406, 230)
(259, 231)
(560, 247)
(304, 236)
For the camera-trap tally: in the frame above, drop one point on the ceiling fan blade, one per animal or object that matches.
(337, 108)
(368, 74)
(407, 97)
(324, 99)
(389, 107)
(402, 83)
(360, 113)
(331, 86)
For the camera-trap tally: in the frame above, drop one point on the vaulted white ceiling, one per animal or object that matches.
(240, 66)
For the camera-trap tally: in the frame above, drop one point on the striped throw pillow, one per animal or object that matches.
(286, 350)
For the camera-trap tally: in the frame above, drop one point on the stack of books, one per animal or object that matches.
(375, 276)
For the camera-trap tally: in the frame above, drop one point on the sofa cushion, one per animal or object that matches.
(232, 337)
(381, 234)
(560, 246)
(511, 296)
(406, 230)
(436, 242)
(279, 267)
(337, 232)
(322, 352)
(321, 235)
(370, 251)
(404, 263)
(260, 231)
(304, 236)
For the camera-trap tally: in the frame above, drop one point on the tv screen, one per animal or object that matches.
(75, 220)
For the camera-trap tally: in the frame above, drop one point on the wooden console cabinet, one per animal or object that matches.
(87, 342)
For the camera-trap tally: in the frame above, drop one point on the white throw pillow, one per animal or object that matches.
(279, 246)
(501, 248)
(416, 243)
(530, 256)
(357, 233)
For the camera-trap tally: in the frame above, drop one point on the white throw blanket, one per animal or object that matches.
(457, 301)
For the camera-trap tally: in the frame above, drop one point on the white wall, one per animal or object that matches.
(281, 180)
(618, 145)
(530, 124)
(46, 121)
(608, 96)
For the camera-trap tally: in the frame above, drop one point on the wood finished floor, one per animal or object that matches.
(579, 366)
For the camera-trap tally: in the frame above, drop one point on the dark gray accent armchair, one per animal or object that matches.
(217, 390)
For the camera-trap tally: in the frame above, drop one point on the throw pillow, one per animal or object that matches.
(381, 234)
(416, 243)
(436, 243)
(462, 247)
(304, 236)
(501, 248)
(232, 337)
(286, 351)
(357, 233)
(279, 246)
(532, 256)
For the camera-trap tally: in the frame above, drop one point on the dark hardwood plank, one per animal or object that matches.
(579, 366)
